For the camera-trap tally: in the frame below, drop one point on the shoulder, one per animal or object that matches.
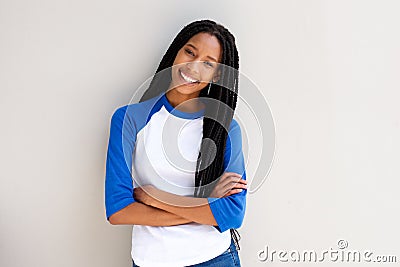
(136, 107)
(135, 113)
(234, 138)
(234, 124)
(234, 128)
(233, 157)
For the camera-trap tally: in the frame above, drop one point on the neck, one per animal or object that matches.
(185, 102)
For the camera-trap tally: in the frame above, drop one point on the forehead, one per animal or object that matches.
(207, 44)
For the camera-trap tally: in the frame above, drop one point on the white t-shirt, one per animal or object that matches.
(160, 145)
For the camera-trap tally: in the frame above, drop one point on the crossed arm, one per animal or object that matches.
(155, 207)
(150, 206)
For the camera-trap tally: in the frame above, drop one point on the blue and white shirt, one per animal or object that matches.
(152, 143)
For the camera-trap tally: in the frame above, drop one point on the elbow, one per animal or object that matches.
(113, 219)
(238, 220)
(117, 218)
(233, 222)
(119, 214)
(238, 223)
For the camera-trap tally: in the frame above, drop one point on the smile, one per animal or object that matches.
(187, 78)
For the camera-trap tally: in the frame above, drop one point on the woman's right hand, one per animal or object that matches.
(230, 183)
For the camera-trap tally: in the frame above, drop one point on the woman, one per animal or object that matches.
(183, 149)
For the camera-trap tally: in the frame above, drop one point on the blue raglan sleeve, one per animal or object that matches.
(118, 180)
(229, 211)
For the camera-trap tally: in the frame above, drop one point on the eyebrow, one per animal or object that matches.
(197, 49)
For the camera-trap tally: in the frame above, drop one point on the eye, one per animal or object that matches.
(189, 51)
(209, 64)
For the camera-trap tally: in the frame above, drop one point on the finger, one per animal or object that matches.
(233, 185)
(233, 178)
(226, 195)
(242, 186)
(228, 174)
(228, 183)
(234, 191)
(224, 191)
(242, 181)
(234, 174)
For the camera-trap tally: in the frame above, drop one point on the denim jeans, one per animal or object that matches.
(229, 258)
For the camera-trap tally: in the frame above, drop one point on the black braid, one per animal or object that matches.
(212, 129)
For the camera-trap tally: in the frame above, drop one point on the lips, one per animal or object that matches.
(187, 77)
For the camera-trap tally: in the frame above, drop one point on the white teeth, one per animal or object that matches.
(188, 79)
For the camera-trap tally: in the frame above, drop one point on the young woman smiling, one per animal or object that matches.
(175, 168)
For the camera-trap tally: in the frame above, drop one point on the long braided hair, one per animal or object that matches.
(209, 167)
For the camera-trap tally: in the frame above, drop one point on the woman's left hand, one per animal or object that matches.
(145, 194)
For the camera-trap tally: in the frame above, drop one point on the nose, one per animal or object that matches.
(193, 67)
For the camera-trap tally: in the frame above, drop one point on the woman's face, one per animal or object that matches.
(196, 64)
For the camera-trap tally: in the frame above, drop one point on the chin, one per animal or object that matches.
(182, 89)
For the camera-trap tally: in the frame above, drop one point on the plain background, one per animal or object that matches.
(329, 70)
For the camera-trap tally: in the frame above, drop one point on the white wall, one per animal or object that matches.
(327, 68)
